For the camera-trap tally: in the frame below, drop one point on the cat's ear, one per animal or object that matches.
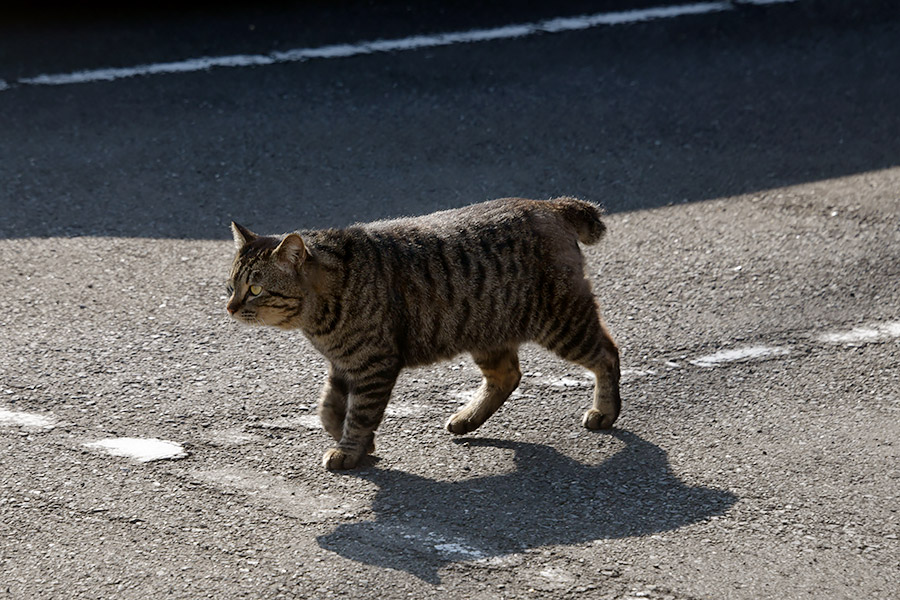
(291, 251)
(242, 235)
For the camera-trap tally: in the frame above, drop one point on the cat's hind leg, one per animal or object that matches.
(501, 376)
(579, 335)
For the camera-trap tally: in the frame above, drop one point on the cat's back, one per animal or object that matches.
(506, 239)
(463, 246)
(556, 218)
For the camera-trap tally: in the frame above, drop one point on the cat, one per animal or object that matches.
(377, 297)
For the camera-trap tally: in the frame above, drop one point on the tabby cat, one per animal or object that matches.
(377, 297)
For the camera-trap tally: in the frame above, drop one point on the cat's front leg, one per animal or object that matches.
(369, 393)
(333, 404)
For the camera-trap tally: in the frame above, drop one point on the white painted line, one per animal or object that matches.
(230, 437)
(869, 333)
(405, 409)
(739, 354)
(183, 66)
(302, 421)
(307, 504)
(456, 549)
(566, 382)
(140, 449)
(560, 575)
(464, 396)
(24, 419)
(417, 42)
(631, 374)
(421, 539)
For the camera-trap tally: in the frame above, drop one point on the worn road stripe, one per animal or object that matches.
(416, 42)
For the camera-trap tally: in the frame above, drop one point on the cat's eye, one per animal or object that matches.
(255, 290)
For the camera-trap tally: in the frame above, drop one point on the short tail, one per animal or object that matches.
(585, 217)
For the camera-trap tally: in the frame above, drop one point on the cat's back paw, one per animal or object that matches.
(594, 419)
(460, 424)
(336, 459)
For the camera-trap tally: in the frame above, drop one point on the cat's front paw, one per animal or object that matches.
(336, 459)
(594, 419)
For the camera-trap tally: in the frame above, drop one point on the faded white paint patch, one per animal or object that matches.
(307, 504)
(10, 418)
(140, 449)
(405, 409)
(739, 354)
(465, 395)
(567, 382)
(632, 374)
(868, 333)
(230, 437)
(455, 549)
(458, 550)
(508, 560)
(557, 575)
(302, 421)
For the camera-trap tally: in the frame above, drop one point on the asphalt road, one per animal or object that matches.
(750, 163)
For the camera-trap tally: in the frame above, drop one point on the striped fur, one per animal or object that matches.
(378, 297)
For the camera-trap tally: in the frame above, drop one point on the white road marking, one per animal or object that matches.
(25, 419)
(632, 374)
(557, 575)
(567, 382)
(456, 549)
(869, 333)
(405, 409)
(310, 421)
(304, 421)
(290, 497)
(417, 42)
(739, 354)
(140, 449)
(453, 549)
(464, 396)
(235, 436)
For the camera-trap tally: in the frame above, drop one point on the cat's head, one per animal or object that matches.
(264, 286)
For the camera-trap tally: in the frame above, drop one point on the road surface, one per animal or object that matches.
(749, 158)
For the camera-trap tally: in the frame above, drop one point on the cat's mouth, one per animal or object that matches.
(243, 314)
(247, 319)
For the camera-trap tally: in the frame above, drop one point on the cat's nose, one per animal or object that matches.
(231, 308)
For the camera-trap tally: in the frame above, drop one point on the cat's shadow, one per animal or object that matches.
(422, 524)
